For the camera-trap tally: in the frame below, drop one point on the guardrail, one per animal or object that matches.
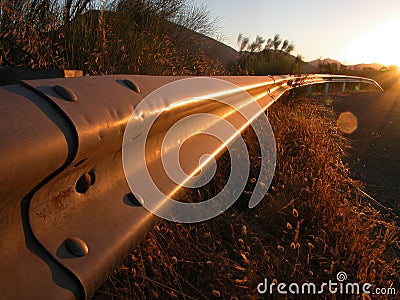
(67, 214)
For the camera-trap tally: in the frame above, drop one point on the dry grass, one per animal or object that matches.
(126, 37)
(310, 226)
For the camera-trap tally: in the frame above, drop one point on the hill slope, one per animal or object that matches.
(315, 64)
(195, 41)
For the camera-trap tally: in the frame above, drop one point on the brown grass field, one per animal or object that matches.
(314, 222)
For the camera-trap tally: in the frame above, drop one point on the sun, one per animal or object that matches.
(379, 44)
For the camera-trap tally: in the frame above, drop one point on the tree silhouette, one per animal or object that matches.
(276, 41)
(242, 42)
(268, 45)
(262, 57)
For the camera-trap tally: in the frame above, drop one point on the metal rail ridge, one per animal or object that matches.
(89, 165)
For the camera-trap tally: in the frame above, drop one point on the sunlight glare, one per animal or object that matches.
(379, 44)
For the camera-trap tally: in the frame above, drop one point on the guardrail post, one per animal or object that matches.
(309, 89)
(359, 86)
(344, 87)
(326, 88)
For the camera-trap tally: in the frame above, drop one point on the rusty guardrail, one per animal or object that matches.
(67, 216)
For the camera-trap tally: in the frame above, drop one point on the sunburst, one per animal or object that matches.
(379, 44)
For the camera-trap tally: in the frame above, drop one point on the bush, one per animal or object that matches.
(119, 36)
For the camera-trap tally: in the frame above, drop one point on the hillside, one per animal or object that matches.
(107, 42)
(195, 41)
(315, 63)
(226, 54)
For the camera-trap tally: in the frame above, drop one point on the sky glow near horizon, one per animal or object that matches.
(350, 31)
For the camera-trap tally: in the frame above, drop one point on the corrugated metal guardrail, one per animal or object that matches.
(67, 216)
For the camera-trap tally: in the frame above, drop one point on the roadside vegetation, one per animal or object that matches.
(312, 224)
(105, 37)
(261, 57)
(144, 37)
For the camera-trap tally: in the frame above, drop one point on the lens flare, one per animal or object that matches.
(347, 122)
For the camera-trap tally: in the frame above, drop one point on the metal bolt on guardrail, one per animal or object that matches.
(75, 175)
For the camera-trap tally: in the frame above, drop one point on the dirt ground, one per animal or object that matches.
(374, 158)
